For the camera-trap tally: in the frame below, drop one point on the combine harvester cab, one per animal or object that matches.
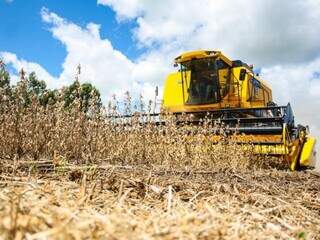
(208, 84)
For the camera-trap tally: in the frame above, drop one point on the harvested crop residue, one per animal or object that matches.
(153, 202)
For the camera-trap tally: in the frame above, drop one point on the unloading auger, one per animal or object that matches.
(210, 85)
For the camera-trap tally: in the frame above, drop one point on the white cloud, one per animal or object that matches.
(101, 64)
(18, 64)
(299, 85)
(125, 9)
(264, 32)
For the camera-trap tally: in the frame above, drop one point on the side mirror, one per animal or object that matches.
(243, 73)
(175, 64)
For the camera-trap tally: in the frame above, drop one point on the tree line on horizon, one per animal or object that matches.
(30, 88)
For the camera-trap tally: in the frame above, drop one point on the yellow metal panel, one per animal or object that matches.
(278, 149)
(173, 94)
(187, 56)
(308, 154)
(249, 139)
(257, 138)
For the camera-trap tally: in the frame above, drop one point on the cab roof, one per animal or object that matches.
(199, 54)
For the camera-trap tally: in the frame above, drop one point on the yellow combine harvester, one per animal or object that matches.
(210, 84)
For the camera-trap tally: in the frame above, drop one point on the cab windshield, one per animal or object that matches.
(204, 87)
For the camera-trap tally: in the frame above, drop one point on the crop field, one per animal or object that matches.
(69, 174)
(154, 202)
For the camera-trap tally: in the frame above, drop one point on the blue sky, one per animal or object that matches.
(23, 32)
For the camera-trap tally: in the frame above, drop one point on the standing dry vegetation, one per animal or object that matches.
(69, 172)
